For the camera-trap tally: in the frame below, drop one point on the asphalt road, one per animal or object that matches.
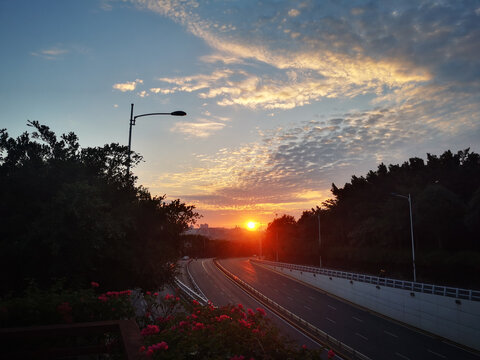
(222, 291)
(374, 336)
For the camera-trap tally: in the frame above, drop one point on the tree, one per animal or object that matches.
(73, 213)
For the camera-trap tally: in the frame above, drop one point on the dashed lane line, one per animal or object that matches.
(391, 334)
(361, 336)
(402, 356)
(332, 321)
(308, 308)
(355, 318)
(437, 354)
(332, 307)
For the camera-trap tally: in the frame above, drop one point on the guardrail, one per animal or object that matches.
(323, 337)
(190, 293)
(466, 294)
(57, 341)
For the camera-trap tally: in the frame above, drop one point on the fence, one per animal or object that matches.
(393, 283)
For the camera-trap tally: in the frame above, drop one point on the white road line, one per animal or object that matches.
(311, 298)
(203, 265)
(289, 298)
(306, 307)
(332, 321)
(331, 307)
(355, 318)
(363, 337)
(295, 289)
(434, 353)
(389, 333)
(402, 356)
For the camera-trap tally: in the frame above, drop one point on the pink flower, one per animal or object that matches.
(304, 347)
(155, 294)
(255, 331)
(240, 306)
(94, 284)
(182, 323)
(168, 297)
(149, 352)
(330, 354)
(237, 357)
(177, 299)
(195, 302)
(261, 311)
(250, 312)
(244, 323)
(148, 293)
(199, 326)
(142, 349)
(150, 330)
(222, 317)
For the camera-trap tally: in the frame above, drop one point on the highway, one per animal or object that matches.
(374, 336)
(222, 291)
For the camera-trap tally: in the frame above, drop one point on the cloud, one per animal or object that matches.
(201, 129)
(51, 53)
(418, 62)
(127, 86)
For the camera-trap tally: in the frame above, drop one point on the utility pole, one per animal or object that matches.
(319, 240)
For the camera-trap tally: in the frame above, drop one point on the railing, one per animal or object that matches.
(190, 293)
(323, 337)
(466, 294)
(28, 342)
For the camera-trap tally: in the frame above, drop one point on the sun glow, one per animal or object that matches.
(251, 225)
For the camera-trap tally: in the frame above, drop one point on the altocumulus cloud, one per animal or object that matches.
(418, 61)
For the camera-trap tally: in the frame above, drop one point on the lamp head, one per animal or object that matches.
(178, 113)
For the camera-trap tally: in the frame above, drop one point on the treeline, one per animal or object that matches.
(74, 215)
(202, 247)
(366, 228)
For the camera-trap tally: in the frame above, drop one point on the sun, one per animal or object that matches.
(251, 225)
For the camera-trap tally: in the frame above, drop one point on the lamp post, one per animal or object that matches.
(319, 240)
(132, 122)
(409, 198)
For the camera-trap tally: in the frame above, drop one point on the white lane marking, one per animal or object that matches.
(389, 333)
(311, 298)
(331, 307)
(332, 321)
(295, 289)
(363, 337)
(289, 298)
(434, 353)
(271, 312)
(306, 307)
(355, 318)
(203, 264)
(402, 356)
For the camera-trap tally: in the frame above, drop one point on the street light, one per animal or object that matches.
(319, 240)
(132, 122)
(411, 231)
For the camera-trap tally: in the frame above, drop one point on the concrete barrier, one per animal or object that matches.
(451, 318)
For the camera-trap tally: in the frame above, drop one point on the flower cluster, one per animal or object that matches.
(229, 332)
(114, 294)
(150, 330)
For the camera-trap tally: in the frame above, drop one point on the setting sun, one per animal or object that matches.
(251, 225)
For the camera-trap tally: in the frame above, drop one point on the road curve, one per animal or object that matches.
(222, 291)
(374, 336)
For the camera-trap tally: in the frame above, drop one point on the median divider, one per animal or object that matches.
(304, 326)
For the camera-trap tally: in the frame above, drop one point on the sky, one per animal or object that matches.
(283, 98)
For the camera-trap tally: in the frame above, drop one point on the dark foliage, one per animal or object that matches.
(365, 228)
(72, 213)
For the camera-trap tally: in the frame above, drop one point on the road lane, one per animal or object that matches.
(368, 333)
(222, 291)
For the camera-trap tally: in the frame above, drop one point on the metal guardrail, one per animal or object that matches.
(465, 294)
(190, 293)
(323, 336)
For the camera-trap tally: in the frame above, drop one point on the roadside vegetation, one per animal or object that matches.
(364, 228)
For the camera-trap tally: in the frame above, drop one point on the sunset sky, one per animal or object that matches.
(283, 97)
